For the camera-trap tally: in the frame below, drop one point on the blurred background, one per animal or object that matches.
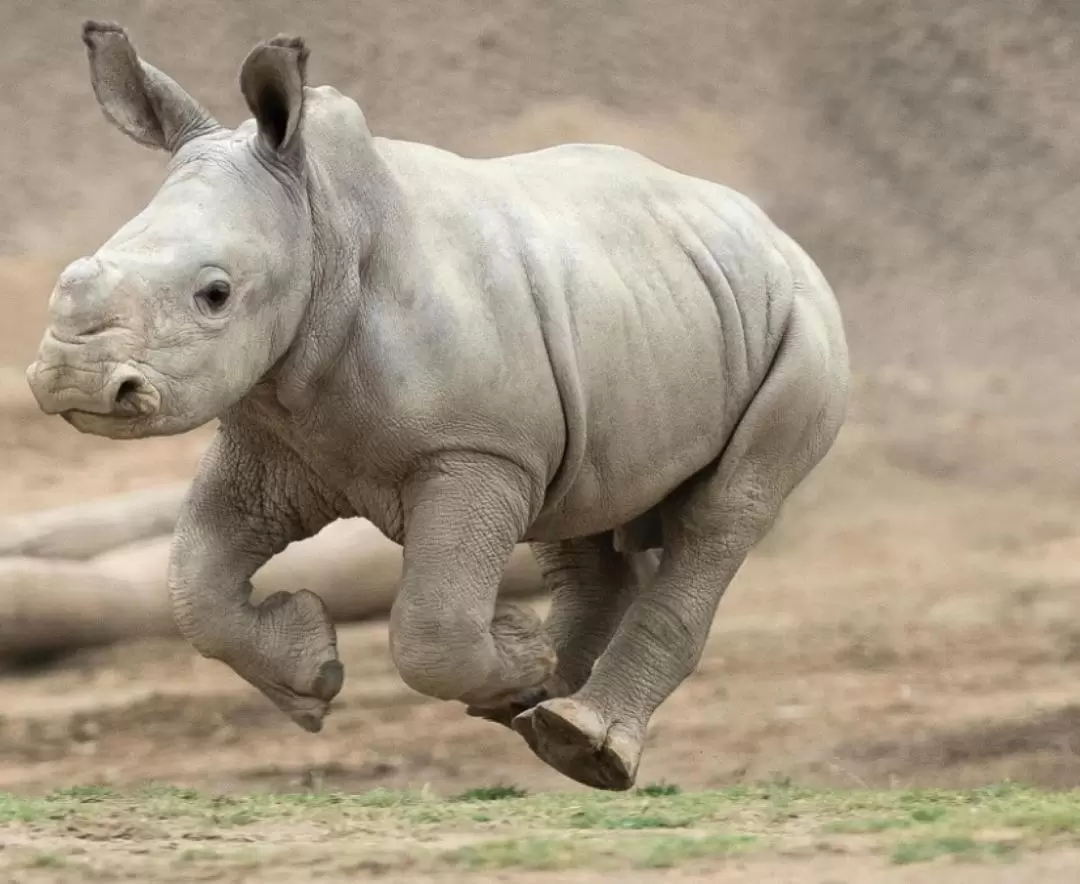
(913, 619)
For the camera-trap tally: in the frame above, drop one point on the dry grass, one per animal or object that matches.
(168, 834)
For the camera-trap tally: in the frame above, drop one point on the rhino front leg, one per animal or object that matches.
(243, 508)
(591, 586)
(449, 636)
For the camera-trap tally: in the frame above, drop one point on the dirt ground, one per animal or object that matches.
(913, 620)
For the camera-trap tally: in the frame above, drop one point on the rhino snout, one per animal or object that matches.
(67, 383)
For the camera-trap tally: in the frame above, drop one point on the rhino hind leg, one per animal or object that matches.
(597, 734)
(591, 585)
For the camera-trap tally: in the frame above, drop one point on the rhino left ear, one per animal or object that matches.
(136, 97)
(272, 82)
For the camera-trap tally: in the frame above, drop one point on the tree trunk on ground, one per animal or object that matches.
(58, 605)
(85, 530)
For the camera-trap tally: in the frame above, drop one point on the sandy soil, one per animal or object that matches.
(912, 620)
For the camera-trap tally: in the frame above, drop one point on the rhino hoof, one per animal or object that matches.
(575, 740)
(329, 680)
(311, 723)
(309, 711)
(302, 686)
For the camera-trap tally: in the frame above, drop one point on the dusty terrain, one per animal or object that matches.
(914, 618)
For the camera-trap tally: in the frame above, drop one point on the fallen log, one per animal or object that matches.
(57, 606)
(350, 564)
(85, 530)
(54, 606)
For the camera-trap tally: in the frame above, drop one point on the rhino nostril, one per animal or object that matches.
(126, 398)
(127, 389)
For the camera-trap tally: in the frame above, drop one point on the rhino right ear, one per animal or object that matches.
(137, 98)
(272, 82)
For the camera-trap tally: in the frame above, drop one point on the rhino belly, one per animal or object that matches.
(627, 474)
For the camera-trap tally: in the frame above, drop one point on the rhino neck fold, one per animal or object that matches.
(358, 213)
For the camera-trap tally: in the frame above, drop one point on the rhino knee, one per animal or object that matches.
(440, 658)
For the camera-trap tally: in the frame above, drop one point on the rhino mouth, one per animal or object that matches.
(112, 426)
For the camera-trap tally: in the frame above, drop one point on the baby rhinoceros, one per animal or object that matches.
(576, 348)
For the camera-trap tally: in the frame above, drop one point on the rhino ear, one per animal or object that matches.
(137, 98)
(272, 82)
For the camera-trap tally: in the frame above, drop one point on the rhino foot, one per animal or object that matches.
(524, 662)
(523, 647)
(297, 666)
(579, 743)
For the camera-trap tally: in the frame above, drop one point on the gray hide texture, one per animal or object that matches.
(624, 366)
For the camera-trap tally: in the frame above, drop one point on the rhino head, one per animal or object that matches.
(185, 308)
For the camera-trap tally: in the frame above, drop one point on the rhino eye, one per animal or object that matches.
(212, 298)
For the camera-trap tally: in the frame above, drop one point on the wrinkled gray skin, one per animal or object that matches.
(626, 367)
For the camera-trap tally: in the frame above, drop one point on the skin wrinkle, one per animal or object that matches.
(572, 347)
(773, 360)
(748, 346)
(661, 220)
(89, 365)
(568, 457)
(73, 340)
(722, 307)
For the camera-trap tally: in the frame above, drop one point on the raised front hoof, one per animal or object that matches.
(302, 681)
(526, 657)
(525, 664)
(309, 712)
(575, 740)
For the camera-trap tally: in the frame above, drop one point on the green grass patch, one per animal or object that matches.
(659, 790)
(535, 854)
(554, 853)
(675, 850)
(491, 793)
(868, 826)
(615, 818)
(958, 846)
(503, 827)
